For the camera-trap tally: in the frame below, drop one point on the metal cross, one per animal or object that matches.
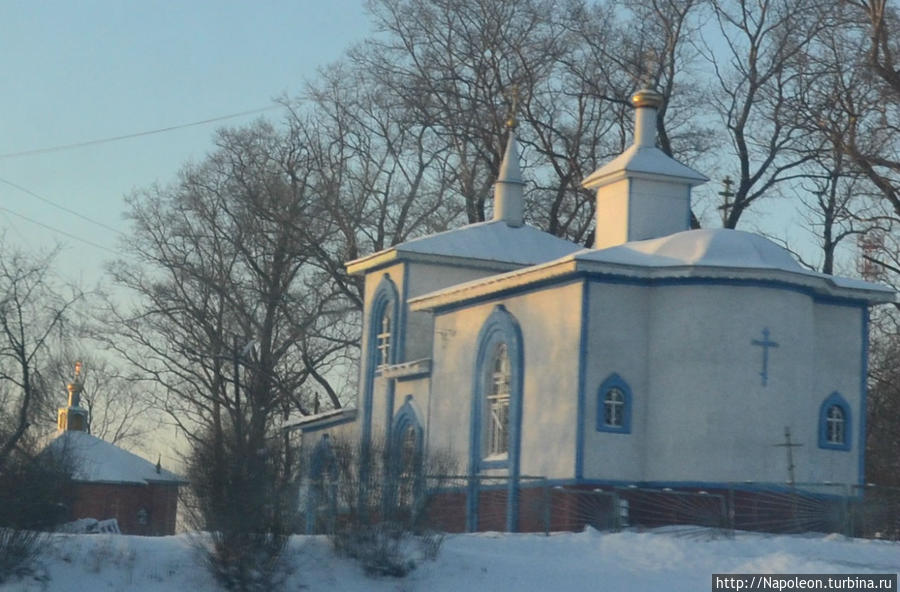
(513, 95)
(766, 343)
(726, 193)
(789, 446)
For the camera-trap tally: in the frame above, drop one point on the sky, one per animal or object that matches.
(96, 69)
(76, 72)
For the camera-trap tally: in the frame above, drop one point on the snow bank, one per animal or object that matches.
(670, 559)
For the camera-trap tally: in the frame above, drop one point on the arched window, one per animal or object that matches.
(496, 411)
(408, 464)
(614, 408)
(497, 392)
(405, 474)
(497, 428)
(383, 339)
(614, 405)
(834, 423)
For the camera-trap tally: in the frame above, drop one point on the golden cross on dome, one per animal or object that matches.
(513, 96)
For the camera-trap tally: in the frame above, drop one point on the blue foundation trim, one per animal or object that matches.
(499, 328)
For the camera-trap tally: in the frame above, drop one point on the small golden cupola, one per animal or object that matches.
(73, 417)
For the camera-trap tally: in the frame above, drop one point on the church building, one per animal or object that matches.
(662, 357)
(110, 483)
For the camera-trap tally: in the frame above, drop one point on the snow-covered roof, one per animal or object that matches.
(98, 461)
(493, 244)
(330, 417)
(643, 160)
(710, 247)
(706, 253)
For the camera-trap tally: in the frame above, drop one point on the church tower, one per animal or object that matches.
(73, 417)
(508, 191)
(644, 193)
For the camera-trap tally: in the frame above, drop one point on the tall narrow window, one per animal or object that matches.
(614, 408)
(498, 404)
(834, 425)
(408, 468)
(384, 340)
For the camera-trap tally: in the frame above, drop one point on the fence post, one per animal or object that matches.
(545, 494)
(731, 511)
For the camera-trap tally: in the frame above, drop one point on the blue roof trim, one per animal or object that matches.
(606, 278)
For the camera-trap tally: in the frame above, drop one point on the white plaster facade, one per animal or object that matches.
(717, 340)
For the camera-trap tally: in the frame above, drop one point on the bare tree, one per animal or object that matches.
(34, 312)
(871, 137)
(756, 82)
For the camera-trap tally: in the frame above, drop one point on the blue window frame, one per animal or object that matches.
(614, 406)
(382, 344)
(497, 393)
(405, 477)
(835, 426)
(497, 389)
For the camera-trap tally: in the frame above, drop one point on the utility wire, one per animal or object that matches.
(58, 231)
(56, 205)
(134, 135)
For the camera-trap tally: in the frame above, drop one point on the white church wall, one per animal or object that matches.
(658, 208)
(451, 379)
(712, 414)
(549, 321)
(424, 278)
(637, 208)
(612, 225)
(551, 330)
(617, 344)
(839, 333)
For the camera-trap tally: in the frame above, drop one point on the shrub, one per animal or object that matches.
(373, 503)
(240, 495)
(35, 493)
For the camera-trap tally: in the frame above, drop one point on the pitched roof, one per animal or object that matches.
(98, 461)
(707, 253)
(493, 244)
(643, 160)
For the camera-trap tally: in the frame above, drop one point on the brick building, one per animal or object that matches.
(111, 482)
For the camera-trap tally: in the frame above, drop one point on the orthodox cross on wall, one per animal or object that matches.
(765, 343)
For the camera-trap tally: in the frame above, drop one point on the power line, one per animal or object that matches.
(58, 231)
(134, 135)
(56, 205)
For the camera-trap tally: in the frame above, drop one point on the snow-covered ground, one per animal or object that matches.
(666, 559)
